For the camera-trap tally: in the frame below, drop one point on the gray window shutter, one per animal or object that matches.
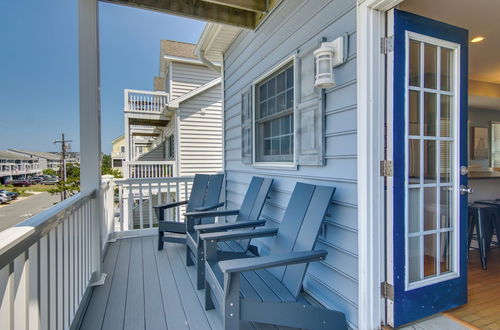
(246, 126)
(309, 112)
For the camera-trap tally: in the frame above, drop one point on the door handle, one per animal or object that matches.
(465, 190)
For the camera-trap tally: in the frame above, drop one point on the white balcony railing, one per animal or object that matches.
(46, 265)
(11, 169)
(145, 101)
(138, 196)
(149, 169)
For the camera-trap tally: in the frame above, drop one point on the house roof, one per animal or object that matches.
(38, 154)
(5, 154)
(216, 39)
(175, 102)
(177, 48)
(121, 137)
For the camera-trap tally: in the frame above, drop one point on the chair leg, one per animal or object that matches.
(200, 268)
(483, 240)
(232, 304)
(472, 223)
(160, 240)
(209, 304)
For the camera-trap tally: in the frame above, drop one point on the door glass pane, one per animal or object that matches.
(430, 208)
(430, 114)
(414, 210)
(414, 161)
(414, 64)
(430, 161)
(446, 161)
(414, 259)
(446, 63)
(414, 117)
(445, 243)
(430, 66)
(445, 129)
(430, 248)
(445, 207)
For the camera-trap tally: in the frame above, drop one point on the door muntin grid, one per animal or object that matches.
(431, 162)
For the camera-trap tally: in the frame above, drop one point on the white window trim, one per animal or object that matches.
(273, 70)
(455, 248)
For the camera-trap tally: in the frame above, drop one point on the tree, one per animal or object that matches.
(49, 171)
(72, 183)
(107, 168)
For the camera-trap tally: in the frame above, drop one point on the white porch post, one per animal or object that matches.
(90, 122)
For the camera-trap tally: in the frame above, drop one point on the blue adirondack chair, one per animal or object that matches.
(247, 216)
(205, 193)
(267, 289)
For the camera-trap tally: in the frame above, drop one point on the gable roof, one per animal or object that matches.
(7, 155)
(38, 154)
(177, 48)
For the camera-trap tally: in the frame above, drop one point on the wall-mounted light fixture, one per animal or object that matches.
(328, 56)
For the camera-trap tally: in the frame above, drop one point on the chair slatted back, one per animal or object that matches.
(198, 190)
(212, 194)
(299, 230)
(253, 203)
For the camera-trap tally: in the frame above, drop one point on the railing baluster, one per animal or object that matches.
(141, 215)
(6, 286)
(20, 291)
(60, 277)
(150, 203)
(120, 203)
(44, 280)
(33, 297)
(65, 254)
(52, 279)
(177, 198)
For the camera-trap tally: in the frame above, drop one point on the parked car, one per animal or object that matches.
(11, 194)
(3, 200)
(51, 181)
(6, 197)
(36, 179)
(20, 183)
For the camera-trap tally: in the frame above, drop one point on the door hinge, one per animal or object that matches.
(387, 45)
(386, 168)
(387, 290)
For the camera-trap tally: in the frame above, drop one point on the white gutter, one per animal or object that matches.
(201, 55)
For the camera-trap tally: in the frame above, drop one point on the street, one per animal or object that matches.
(11, 215)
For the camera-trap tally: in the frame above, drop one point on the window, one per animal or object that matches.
(122, 149)
(117, 163)
(274, 131)
(170, 147)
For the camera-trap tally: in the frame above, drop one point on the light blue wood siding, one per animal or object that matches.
(301, 25)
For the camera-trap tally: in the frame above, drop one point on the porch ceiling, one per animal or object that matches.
(145, 134)
(242, 13)
(145, 121)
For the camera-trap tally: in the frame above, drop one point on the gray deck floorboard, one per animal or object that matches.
(150, 289)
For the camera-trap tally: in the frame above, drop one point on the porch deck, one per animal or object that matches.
(150, 289)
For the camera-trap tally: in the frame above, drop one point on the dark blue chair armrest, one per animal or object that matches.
(170, 205)
(206, 214)
(227, 226)
(209, 207)
(239, 234)
(249, 264)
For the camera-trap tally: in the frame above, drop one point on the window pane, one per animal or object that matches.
(267, 147)
(446, 63)
(414, 121)
(414, 210)
(414, 63)
(271, 106)
(281, 82)
(285, 145)
(445, 129)
(430, 254)
(430, 114)
(430, 208)
(289, 99)
(430, 161)
(445, 252)
(285, 125)
(263, 92)
(281, 102)
(267, 130)
(445, 207)
(414, 161)
(271, 87)
(263, 109)
(445, 158)
(275, 146)
(289, 77)
(275, 128)
(430, 66)
(414, 258)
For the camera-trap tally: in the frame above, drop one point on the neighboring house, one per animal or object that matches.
(45, 159)
(118, 153)
(177, 129)
(14, 165)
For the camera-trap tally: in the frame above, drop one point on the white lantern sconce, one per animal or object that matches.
(328, 56)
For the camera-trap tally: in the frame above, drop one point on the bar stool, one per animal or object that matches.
(496, 215)
(480, 218)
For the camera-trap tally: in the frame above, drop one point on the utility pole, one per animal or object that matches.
(62, 170)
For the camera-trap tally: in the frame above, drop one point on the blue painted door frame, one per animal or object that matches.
(414, 304)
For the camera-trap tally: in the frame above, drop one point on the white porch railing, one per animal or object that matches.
(9, 169)
(46, 265)
(149, 169)
(145, 101)
(138, 196)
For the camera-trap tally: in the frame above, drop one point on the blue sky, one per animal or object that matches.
(39, 67)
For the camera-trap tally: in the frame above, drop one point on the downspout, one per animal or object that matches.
(201, 55)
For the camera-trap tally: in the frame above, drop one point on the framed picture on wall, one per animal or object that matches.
(479, 143)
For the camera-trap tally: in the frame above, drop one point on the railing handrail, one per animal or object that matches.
(17, 239)
(154, 180)
(149, 162)
(138, 91)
